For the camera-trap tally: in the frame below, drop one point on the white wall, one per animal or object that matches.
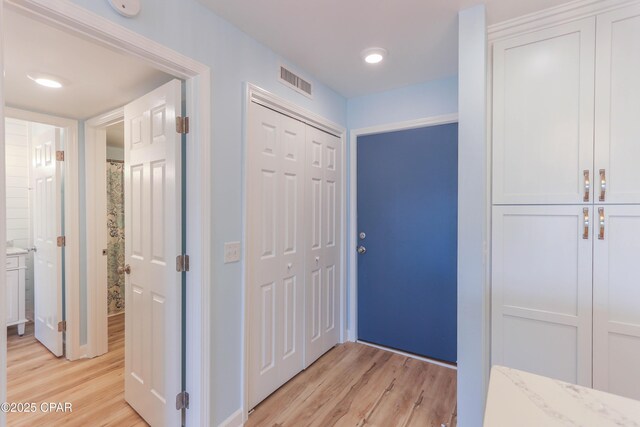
(18, 198)
(189, 27)
(473, 289)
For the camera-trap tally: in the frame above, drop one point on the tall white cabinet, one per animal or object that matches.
(566, 201)
(293, 247)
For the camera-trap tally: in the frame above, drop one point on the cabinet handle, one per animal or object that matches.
(603, 185)
(587, 185)
(601, 215)
(585, 213)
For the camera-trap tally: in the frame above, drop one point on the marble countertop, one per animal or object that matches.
(16, 251)
(518, 398)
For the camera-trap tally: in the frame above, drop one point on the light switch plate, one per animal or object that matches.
(231, 252)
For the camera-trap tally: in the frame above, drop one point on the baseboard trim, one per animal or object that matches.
(82, 352)
(413, 356)
(234, 420)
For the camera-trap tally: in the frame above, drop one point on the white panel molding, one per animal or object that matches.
(265, 98)
(67, 15)
(564, 13)
(352, 238)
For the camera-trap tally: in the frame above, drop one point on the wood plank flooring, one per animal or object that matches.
(358, 385)
(95, 387)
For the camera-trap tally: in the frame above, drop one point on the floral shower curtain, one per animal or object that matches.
(115, 239)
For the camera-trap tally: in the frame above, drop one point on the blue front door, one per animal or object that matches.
(407, 221)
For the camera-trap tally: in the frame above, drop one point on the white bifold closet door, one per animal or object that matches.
(322, 225)
(293, 247)
(275, 250)
(541, 290)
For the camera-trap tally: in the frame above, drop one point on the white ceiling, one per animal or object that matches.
(325, 37)
(99, 79)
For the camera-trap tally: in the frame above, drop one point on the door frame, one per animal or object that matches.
(71, 344)
(95, 194)
(352, 332)
(254, 93)
(67, 15)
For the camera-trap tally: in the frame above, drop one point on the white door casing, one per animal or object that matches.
(46, 178)
(152, 241)
(543, 115)
(617, 128)
(616, 298)
(275, 249)
(541, 290)
(322, 225)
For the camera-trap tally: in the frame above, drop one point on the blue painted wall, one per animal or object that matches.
(189, 27)
(473, 288)
(432, 98)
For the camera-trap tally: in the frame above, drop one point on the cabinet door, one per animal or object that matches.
(543, 115)
(12, 295)
(616, 293)
(541, 290)
(617, 127)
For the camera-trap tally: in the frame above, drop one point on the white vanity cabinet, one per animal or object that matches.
(15, 298)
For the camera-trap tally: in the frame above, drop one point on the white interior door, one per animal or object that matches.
(616, 298)
(153, 323)
(543, 115)
(322, 223)
(541, 290)
(275, 249)
(617, 150)
(47, 226)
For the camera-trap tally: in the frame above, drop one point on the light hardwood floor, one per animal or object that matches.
(95, 387)
(358, 385)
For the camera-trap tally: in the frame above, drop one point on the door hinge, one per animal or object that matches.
(60, 156)
(62, 326)
(182, 263)
(182, 124)
(182, 400)
(62, 241)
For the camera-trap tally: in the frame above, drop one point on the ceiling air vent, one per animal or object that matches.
(296, 82)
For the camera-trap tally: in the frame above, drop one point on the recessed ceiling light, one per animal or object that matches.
(374, 55)
(46, 81)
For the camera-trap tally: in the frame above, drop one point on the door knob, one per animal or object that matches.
(125, 269)
(362, 250)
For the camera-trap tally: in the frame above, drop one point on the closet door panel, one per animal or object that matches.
(616, 295)
(617, 108)
(332, 252)
(541, 290)
(322, 219)
(275, 250)
(543, 115)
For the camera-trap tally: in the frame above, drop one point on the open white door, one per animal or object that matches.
(152, 241)
(47, 226)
